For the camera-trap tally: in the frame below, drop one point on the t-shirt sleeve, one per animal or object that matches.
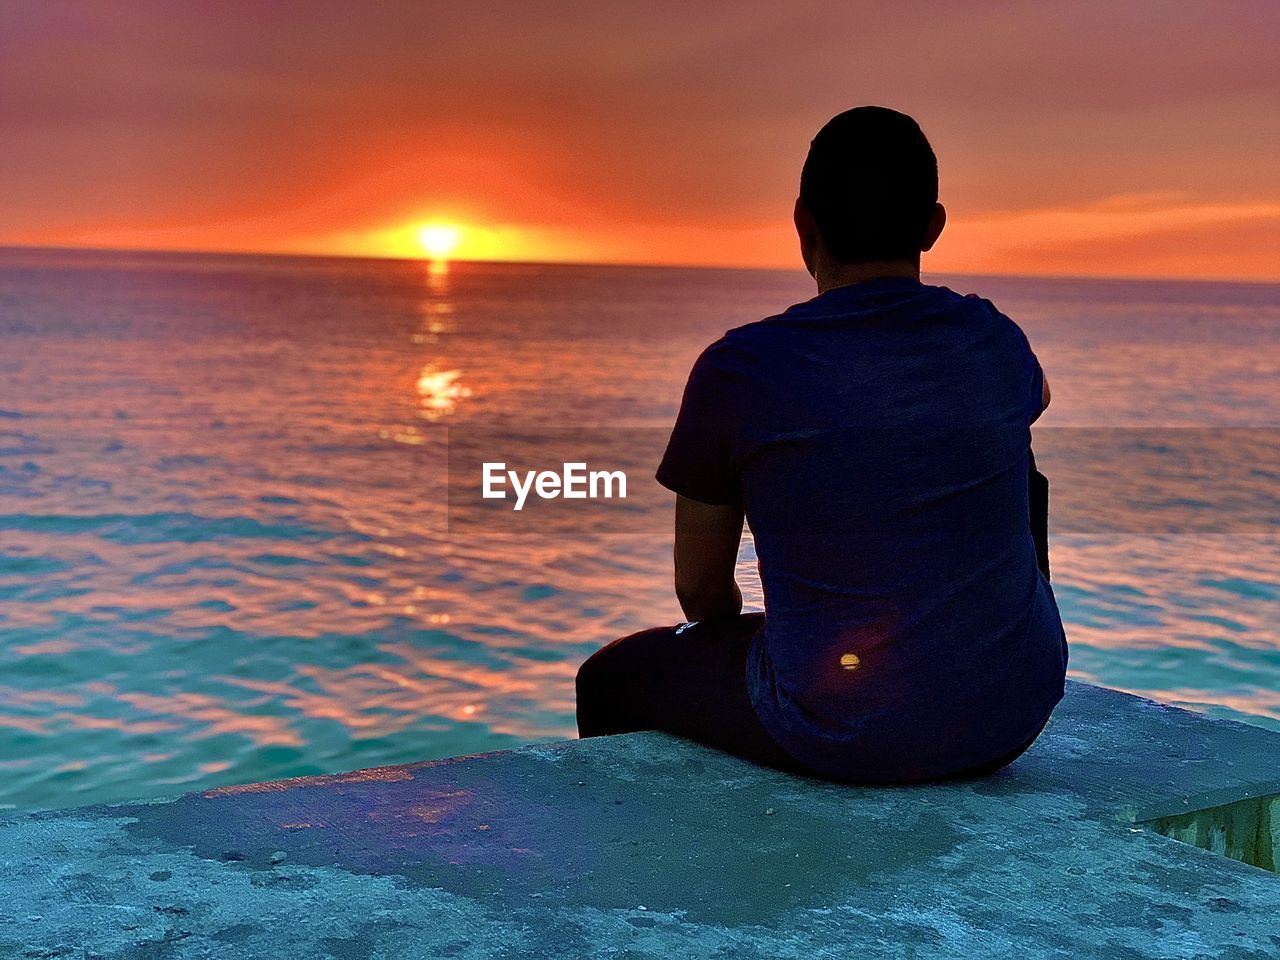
(1035, 378)
(1032, 374)
(699, 462)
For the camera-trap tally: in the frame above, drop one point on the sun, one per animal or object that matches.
(439, 240)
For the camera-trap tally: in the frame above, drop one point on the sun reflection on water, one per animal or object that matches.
(438, 276)
(439, 391)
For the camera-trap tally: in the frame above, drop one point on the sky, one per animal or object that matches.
(1086, 138)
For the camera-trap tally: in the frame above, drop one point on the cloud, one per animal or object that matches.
(1159, 233)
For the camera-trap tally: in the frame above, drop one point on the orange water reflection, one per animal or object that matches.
(440, 391)
(380, 699)
(437, 274)
(212, 716)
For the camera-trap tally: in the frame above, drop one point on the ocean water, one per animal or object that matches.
(224, 549)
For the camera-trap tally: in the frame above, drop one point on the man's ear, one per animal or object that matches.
(936, 222)
(807, 231)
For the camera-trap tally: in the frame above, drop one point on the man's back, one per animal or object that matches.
(877, 438)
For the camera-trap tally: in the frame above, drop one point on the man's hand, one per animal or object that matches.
(707, 538)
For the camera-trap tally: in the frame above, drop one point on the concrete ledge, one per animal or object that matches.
(648, 846)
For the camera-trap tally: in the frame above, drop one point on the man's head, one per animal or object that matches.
(868, 191)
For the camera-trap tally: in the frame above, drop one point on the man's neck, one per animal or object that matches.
(832, 274)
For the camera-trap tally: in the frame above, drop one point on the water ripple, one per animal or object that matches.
(226, 556)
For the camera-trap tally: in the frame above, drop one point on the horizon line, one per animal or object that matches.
(621, 264)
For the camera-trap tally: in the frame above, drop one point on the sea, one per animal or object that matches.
(226, 552)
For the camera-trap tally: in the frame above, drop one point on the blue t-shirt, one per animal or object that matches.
(876, 437)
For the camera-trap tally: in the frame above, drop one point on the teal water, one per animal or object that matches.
(225, 555)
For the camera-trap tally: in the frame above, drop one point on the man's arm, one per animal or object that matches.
(706, 551)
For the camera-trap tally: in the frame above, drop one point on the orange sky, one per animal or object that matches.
(1134, 139)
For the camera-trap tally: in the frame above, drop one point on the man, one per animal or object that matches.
(876, 439)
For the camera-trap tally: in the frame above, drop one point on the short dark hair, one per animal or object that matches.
(870, 182)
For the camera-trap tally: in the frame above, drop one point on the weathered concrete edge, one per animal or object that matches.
(1204, 800)
(1123, 811)
(1199, 799)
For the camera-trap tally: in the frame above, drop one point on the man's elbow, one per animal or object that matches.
(701, 601)
(691, 598)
